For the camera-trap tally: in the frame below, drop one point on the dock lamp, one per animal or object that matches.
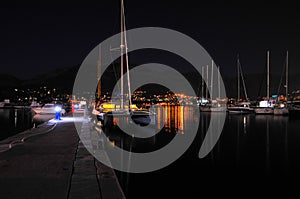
(57, 112)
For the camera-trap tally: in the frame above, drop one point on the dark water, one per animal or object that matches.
(255, 155)
(13, 121)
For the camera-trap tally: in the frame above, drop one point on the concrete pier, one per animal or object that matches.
(51, 162)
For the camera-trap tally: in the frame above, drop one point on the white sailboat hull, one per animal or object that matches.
(218, 109)
(281, 111)
(240, 110)
(264, 110)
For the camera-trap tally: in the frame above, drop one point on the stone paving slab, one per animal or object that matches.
(55, 165)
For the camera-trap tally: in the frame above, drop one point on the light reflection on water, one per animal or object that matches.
(176, 118)
(253, 146)
(169, 121)
(13, 121)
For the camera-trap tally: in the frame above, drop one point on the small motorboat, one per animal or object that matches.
(49, 109)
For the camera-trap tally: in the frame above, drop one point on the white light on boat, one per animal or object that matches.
(204, 101)
(263, 104)
(281, 105)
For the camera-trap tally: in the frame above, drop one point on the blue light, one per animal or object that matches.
(57, 109)
(57, 112)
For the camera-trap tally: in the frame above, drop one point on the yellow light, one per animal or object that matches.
(108, 106)
(113, 143)
(133, 106)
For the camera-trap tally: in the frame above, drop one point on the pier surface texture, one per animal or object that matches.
(50, 161)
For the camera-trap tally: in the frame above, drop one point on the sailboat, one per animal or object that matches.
(240, 107)
(218, 105)
(266, 106)
(109, 110)
(214, 105)
(205, 103)
(5, 104)
(280, 107)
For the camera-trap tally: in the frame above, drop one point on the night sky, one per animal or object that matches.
(37, 38)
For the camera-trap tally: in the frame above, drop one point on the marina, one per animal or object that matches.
(149, 99)
(256, 146)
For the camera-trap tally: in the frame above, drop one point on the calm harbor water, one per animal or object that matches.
(13, 121)
(255, 154)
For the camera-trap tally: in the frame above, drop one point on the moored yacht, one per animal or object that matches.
(265, 107)
(213, 104)
(6, 104)
(241, 108)
(106, 111)
(281, 108)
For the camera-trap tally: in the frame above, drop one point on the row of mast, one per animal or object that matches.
(239, 72)
(123, 46)
(240, 75)
(211, 81)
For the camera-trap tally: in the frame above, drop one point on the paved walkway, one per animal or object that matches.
(51, 162)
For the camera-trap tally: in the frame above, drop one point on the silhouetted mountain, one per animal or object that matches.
(8, 81)
(61, 79)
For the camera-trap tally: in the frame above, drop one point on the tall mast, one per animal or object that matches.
(268, 74)
(243, 80)
(121, 50)
(287, 74)
(202, 84)
(211, 79)
(219, 86)
(99, 74)
(238, 78)
(126, 59)
(206, 94)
